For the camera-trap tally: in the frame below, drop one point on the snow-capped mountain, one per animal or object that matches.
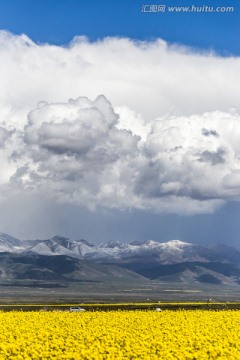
(10, 244)
(59, 245)
(171, 252)
(172, 261)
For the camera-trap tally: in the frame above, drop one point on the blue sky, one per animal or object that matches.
(186, 87)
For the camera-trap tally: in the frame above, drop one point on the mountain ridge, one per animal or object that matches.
(173, 251)
(172, 261)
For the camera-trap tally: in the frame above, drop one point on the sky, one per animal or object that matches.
(118, 122)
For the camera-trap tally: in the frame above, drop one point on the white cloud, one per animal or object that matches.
(165, 140)
(72, 127)
(76, 153)
(152, 79)
(192, 157)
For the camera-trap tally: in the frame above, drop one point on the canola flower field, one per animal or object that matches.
(114, 335)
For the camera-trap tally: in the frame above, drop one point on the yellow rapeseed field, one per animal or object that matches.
(120, 335)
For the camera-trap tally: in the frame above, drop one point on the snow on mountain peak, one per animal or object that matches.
(176, 243)
(112, 244)
(151, 244)
(8, 240)
(10, 244)
(175, 246)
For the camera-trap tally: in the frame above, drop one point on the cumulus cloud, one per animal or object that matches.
(73, 127)
(76, 153)
(185, 162)
(164, 136)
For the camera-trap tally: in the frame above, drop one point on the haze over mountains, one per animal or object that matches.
(173, 261)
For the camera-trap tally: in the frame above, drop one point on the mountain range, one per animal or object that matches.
(172, 261)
